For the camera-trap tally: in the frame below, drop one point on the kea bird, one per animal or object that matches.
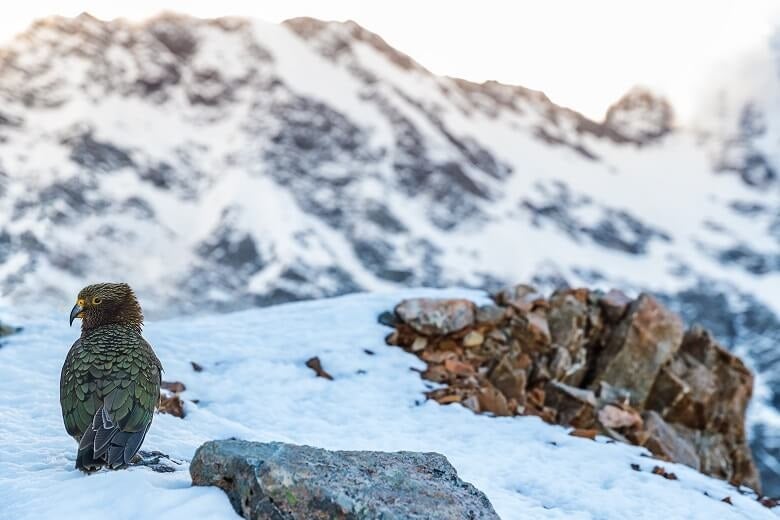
(110, 382)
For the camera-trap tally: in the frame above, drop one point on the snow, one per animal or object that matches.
(255, 386)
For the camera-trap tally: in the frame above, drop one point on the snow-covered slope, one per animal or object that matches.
(222, 164)
(254, 385)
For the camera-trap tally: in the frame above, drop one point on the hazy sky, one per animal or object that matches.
(583, 54)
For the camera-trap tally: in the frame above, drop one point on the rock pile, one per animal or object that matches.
(599, 362)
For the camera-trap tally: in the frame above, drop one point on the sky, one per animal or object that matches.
(582, 54)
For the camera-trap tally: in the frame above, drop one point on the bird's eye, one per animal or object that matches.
(96, 301)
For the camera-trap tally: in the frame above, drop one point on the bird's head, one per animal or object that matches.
(104, 303)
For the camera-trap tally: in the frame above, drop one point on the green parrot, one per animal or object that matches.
(110, 382)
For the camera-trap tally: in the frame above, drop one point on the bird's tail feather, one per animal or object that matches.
(105, 445)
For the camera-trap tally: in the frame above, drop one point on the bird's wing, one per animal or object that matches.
(78, 398)
(130, 393)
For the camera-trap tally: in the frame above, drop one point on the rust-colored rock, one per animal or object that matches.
(316, 365)
(704, 392)
(575, 406)
(171, 404)
(665, 442)
(568, 319)
(521, 297)
(639, 346)
(510, 377)
(614, 304)
(436, 317)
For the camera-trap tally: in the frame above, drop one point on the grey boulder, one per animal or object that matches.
(284, 481)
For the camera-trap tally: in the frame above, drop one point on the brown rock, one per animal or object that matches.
(703, 393)
(614, 304)
(458, 368)
(521, 297)
(664, 441)
(433, 317)
(584, 433)
(575, 406)
(640, 344)
(173, 386)
(660, 470)
(490, 315)
(436, 373)
(171, 404)
(538, 328)
(510, 379)
(493, 401)
(617, 417)
(316, 365)
(568, 320)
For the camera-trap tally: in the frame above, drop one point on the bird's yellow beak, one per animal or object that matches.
(77, 311)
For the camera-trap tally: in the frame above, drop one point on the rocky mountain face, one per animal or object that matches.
(221, 164)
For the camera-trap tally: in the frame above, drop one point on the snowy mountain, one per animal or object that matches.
(253, 384)
(223, 164)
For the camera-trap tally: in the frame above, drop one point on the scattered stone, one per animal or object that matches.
(585, 434)
(276, 480)
(173, 386)
(635, 467)
(658, 470)
(172, 405)
(315, 364)
(369, 352)
(436, 317)
(197, 367)
(388, 319)
(728, 501)
(769, 502)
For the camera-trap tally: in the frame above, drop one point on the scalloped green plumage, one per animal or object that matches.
(110, 364)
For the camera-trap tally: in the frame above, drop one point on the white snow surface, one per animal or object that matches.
(255, 386)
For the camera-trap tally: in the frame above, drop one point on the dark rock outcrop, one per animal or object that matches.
(285, 481)
(593, 361)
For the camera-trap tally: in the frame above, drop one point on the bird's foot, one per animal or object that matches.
(156, 461)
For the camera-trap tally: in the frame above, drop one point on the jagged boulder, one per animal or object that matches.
(593, 361)
(638, 347)
(283, 481)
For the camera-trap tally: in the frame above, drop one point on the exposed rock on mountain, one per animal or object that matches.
(592, 361)
(640, 116)
(276, 480)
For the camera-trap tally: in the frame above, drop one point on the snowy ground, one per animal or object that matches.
(255, 386)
